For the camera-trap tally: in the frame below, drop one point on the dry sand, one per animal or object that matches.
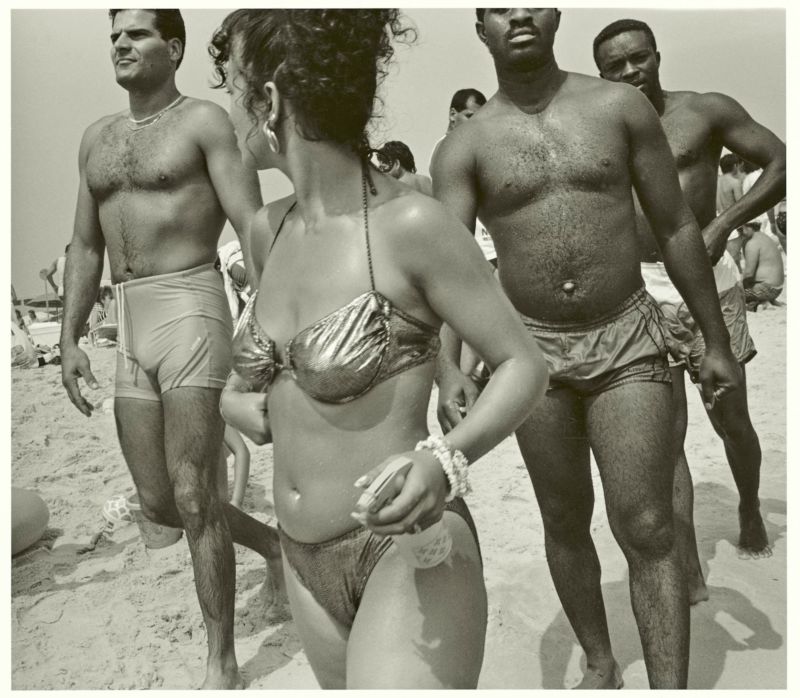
(126, 617)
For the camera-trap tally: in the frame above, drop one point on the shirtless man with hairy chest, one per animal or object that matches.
(549, 165)
(157, 183)
(157, 206)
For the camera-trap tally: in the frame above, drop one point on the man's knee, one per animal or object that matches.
(646, 532)
(732, 421)
(194, 503)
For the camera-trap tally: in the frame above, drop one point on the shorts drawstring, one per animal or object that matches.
(121, 345)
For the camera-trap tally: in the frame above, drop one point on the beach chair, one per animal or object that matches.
(104, 335)
(102, 329)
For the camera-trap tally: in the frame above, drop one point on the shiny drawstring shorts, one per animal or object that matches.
(626, 345)
(174, 330)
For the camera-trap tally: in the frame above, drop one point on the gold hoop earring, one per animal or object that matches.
(272, 138)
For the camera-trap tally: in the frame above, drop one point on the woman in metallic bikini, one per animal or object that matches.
(335, 355)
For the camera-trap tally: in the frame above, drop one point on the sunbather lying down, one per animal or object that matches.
(24, 354)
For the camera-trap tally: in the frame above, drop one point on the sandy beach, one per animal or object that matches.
(124, 617)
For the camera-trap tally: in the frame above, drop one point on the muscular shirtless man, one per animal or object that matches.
(548, 164)
(157, 182)
(698, 126)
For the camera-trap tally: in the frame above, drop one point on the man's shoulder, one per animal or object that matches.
(204, 122)
(206, 113)
(196, 105)
(709, 104)
(97, 126)
(459, 141)
(600, 95)
(762, 240)
(580, 84)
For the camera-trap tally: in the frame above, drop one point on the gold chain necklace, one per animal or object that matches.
(139, 124)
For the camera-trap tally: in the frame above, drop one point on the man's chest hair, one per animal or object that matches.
(159, 159)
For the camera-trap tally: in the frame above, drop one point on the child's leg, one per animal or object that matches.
(241, 464)
(222, 473)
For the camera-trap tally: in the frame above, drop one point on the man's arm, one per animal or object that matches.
(237, 186)
(655, 179)
(48, 274)
(82, 272)
(454, 184)
(735, 129)
(750, 252)
(435, 150)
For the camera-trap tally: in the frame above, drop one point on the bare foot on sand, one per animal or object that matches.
(273, 593)
(753, 542)
(224, 679)
(606, 677)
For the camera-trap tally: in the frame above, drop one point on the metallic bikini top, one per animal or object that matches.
(342, 356)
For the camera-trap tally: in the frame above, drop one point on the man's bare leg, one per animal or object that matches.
(683, 504)
(184, 494)
(140, 426)
(630, 433)
(556, 452)
(193, 432)
(683, 493)
(158, 502)
(731, 420)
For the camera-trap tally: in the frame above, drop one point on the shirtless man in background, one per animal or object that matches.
(698, 126)
(396, 159)
(157, 183)
(729, 183)
(729, 191)
(549, 164)
(763, 268)
(54, 274)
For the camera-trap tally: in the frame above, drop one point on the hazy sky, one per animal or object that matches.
(62, 80)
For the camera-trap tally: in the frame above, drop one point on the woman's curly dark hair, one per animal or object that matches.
(327, 63)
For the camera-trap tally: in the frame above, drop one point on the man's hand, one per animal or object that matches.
(720, 375)
(716, 240)
(75, 364)
(457, 394)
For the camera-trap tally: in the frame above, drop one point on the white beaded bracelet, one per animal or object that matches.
(453, 462)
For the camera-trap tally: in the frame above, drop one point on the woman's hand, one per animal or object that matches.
(245, 411)
(414, 496)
